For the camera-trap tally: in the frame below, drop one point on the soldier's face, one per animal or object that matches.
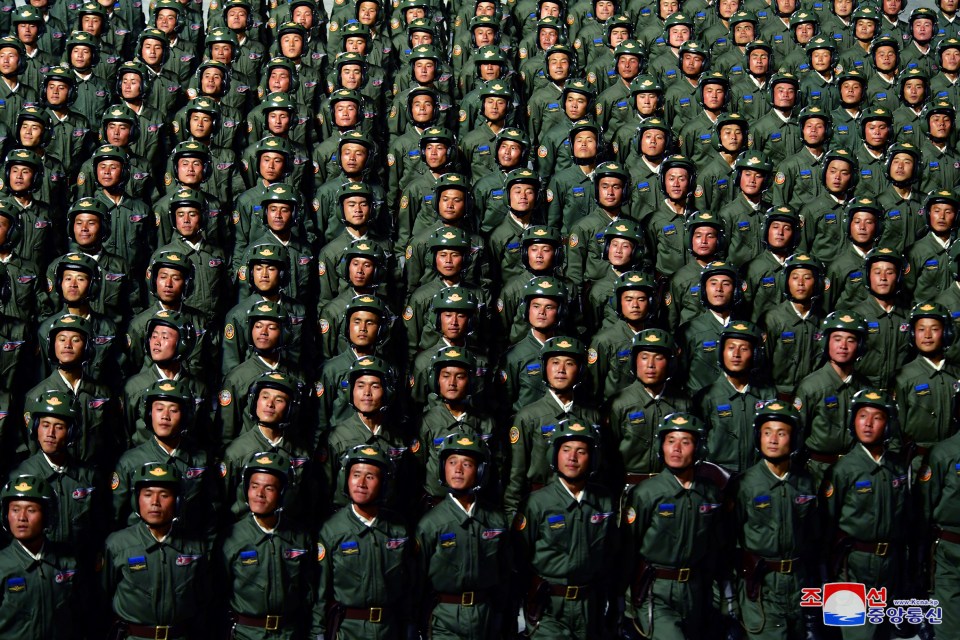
(678, 34)
(345, 113)
(618, 35)
(603, 9)
(494, 108)
(165, 416)
(928, 336)
(561, 372)
(949, 7)
(941, 124)
(31, 132)
(303, 15)
(278, 121)
(784, 95)
(610, 192)
(422, 107)
(363, 483)
(81, 57)
(75, 285)
(585, 144)
(454, 324)
(211, 82)
(200, 125)
(279, 80)
(489, 70)
(634, 305)
(543, 313)
(236, 18)
(452, 204)
(804, 32)
(851, 92)
(355, 44)
(485, 9)
(914, 91)
(356, 210)
(652, 367)
(57, 91)
(263, 493)
(157, 505)
(891, 7)
(863, 227)
(353, 157)
(272, 406)
(814, 131)
(279, 216)
(576, 105)
(802, 284)
(367, 12)
(449, 262)
(523, 198)
(130, 84)
(548, 37)
(752, 182)
(780, 234)
(418, 38)
(27, 33)
(704, 241)
(737, 355)
(163, 343)
(351, 75)
(950, 60)
(361, 272)
(453, 383)
(678, 449)
(68, 347)
(271, 165)
(86, 229)
(291, 45)
(621, 252)
(540, 256)
(221, 52)
(108, 173)
(653, 142)
(677, 183)
(719, 290)
(509, 154)
(922, 30)
(885, 58)
(21, 177)
(901, 167)
(865, 29)
(842, 347)
(714, 96)
(368, 393)
(838, 176)
(573, 460)
(166, 20)
(744, 32)
(775, 439)
(170, 283)
(117, 133)
(691, 63)
(190, 170)
(728, 7)
(364, 326)
(436, 154)
(266, 277)
(942, 217)
(759, 61)
(667, 8)
(425, 71)
(628, 67)
(820, 59)
(558, 66)
(265, 335)
(25, 519)
(870, 423)
(461, 472)
(9, 60)
(52, 434)
(483, 36)
(883, 277)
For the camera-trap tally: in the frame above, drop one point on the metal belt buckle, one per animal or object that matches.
(161, 633)
(882, 548)
(573, 592)
(684, 575)
(786, 566)
(273, 623)
(467, 598)
(376, 615)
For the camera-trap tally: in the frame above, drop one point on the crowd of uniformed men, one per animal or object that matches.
(638, 316)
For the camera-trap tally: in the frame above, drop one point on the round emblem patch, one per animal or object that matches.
(514, 435)
(321, 268)
(573, 240)
(229, 332)
(115, 481)
(324, 326)
(631, 515)
(321, 552)
(408, 313)
(591, 356)
(225, 398)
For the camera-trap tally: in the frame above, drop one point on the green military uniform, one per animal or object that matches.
(672, 534)
(43, 594)
(888, 328)
(938, 493)
(568, 547)
(777, 529)
(153, 583)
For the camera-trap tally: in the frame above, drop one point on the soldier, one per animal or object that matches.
(677, 178)
(824, 396)
(866, 500)
(39, 574)
(670, 524)
(366, 556)
(567, 541)
(741, 217)
(456, 406)
(822, 217)
(929, 262)
(780, 236)
(169, 411)
(466, 533)
(268, 560)
(901, 199)
(562, 366)
(792, 325)
(154, 575)
(78, 487)
(776, 526)
(729, 404)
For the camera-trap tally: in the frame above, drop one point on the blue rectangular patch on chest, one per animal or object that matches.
(724, 410)
(448, 540)
(557, 521)
(761, 502)
(248, 557)
(138, 563)
(864, 486)
(666, 510)
(349, 548)
(15, 585)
